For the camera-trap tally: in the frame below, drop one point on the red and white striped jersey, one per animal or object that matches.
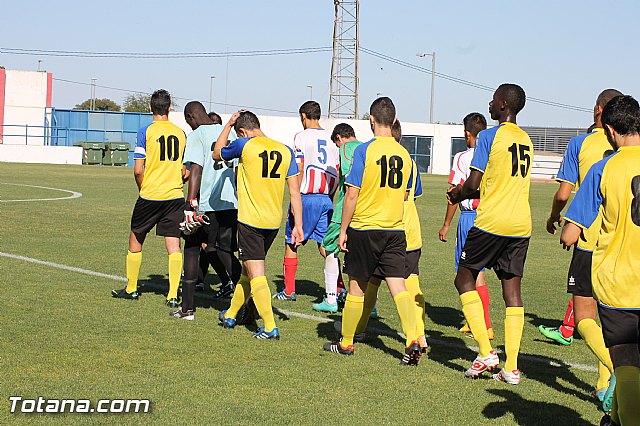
(320, 156)
(460, 173)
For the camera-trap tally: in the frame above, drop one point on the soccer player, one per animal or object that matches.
(344, 137)
(264, 167)
(215, 117)
(500, 236)
(158, 172)
(372, 231)
(212, 190)
(611, 191)
(474, 123)
(317, 160)
(582, 153)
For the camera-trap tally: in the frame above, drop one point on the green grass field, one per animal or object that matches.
(63, 336)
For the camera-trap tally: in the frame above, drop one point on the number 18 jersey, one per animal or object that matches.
(504, 154)
(263, 169)
(381, 168)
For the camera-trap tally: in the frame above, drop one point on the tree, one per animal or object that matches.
(365, 116)
(136, 102)
(101, 105)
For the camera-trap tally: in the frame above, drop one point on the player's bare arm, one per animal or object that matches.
(570, 235)
(559, 202)
(296, 209)
(451, 211)
(469, 190)
(185, 174)
(348, 208)
(138, 172)
(224, 136)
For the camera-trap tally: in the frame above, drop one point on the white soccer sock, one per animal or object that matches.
(331, 271)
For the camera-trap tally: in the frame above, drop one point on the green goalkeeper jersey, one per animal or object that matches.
(346, 155)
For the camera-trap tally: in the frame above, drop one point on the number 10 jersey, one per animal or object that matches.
(381, 169)
(263, 169)
(504, 154)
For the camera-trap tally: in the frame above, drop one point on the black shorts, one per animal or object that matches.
(579, 278)
(503, 254)
(254, 243)
(375, 253)
(164, 215)
(221, 232)
(620, 326)
(411, 263)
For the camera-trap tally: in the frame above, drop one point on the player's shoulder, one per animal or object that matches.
(576, 142)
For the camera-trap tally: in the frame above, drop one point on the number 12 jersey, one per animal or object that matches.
(263, 169)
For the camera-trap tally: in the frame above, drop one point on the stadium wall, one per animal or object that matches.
(40, 154)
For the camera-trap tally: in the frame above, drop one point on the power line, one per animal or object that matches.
(174, 97)
(160, 55)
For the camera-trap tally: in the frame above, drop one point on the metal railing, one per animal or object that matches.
(23, 133)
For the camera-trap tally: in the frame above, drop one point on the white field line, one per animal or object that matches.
(532, 358)
(73, 194)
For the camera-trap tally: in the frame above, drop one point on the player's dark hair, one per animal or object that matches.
(384, 111)
(514, 96)
(474, 123)
(215, 118)
(247, 120)
(622, 113)
(311, 109)
(160, 102)
(193, 107)
(343, 130)
(606, 95)
(396, 130)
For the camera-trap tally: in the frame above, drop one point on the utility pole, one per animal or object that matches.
(311, 91)
(343, 100)
(93, 94)
(433, 79)
(211, 93)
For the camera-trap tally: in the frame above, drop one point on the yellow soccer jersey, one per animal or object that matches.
(410, 217)
(611, 189)
(504, 155)
(381, 168)
(583, 152)
(161, 144)
(262, 172)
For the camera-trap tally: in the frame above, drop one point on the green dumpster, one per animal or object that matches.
(92, 152)
(116, 154)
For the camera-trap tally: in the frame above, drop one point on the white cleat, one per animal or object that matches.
(482, 364)
(513, 378)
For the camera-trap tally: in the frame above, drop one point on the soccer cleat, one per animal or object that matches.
(374, 313)
(606, 421)
(325, 306)
(226, 322)
(225, 290)
(262, 334)
(513, 377)
(412, 354)
(482, 364)
(189, 315)
(281, 295)
(424, 346)
(341, 297)
(358, 338)
(122, 294)
(555, 334)
(172, 303)
(465, 328)
(607, 399)
(336, 348)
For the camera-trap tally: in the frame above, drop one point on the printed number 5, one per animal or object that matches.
(323, 158)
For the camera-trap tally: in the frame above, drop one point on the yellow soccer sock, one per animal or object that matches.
(407, 313)
(628, 394)
(592, 335)
(370, 300)
(603, 376)
(351, 315)
(413, 287)
(474, 314)
(240, 296)
(513, 325)
(175, 270)
(262, 299)
(132, 264)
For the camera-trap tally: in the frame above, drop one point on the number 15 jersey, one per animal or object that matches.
(263, 169)
(504, 154)
(381, 168)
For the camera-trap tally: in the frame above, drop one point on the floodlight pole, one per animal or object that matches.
(433, 79)
(211, 93)
(311, 91)
(93, 93)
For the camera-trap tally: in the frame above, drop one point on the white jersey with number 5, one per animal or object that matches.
(321, 158)
(460, 173)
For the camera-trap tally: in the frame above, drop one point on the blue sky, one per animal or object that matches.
(564, 51)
